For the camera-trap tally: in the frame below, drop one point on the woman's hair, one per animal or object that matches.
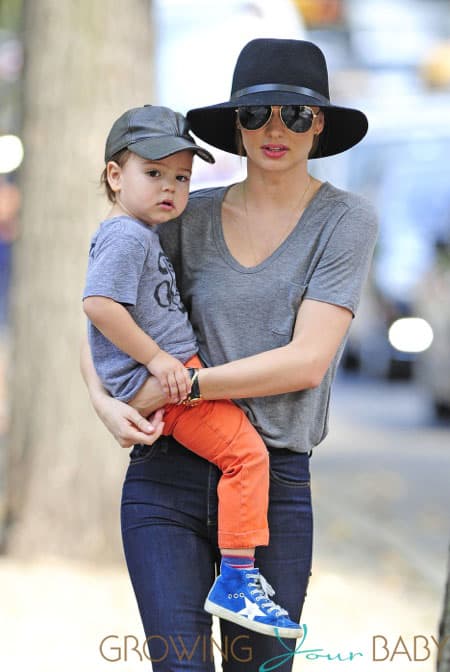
(315, 145)
(120, 158)
(239, 143)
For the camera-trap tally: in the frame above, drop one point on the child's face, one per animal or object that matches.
(152, 191)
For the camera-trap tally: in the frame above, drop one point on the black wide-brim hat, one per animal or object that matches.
(280, 72)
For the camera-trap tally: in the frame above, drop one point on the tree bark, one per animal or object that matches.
(444, 628)
(85, 63)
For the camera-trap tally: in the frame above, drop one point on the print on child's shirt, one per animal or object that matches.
(166, 293)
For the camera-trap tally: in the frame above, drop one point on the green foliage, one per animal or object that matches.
(10, 14)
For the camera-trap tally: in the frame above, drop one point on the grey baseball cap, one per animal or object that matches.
(152, 132)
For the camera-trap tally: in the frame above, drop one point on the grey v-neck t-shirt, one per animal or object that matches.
(238, 311)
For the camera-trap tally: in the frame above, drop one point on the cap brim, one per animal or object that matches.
(216, 124)
(158, 148)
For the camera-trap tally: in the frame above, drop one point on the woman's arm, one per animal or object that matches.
(124, 422)
(319, 330)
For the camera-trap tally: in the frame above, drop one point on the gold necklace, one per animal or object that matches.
(283, 235)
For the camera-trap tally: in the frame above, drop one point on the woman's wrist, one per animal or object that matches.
(203, 381)
(98, 396)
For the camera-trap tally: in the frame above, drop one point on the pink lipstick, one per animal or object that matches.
(274, 151)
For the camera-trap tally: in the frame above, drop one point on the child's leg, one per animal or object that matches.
(220, 432)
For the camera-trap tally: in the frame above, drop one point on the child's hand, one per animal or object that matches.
(172, 375)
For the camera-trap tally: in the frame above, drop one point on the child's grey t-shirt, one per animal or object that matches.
(128, 265)
(238, 311)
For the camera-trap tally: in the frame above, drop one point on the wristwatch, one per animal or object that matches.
(194, 397)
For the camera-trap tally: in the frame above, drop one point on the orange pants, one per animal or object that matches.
(220, 432)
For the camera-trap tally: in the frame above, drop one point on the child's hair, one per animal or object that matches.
(120, 158)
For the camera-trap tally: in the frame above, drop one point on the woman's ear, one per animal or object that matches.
(114, 175)
(319, 126)
(320, 123)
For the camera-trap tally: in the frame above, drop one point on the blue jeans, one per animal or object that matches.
(169, 531)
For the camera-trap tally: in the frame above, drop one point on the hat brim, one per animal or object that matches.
(216, 124)
(154, 149)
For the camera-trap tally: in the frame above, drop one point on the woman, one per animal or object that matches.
(271, 271)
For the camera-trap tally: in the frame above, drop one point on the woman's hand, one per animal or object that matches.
(126, 424)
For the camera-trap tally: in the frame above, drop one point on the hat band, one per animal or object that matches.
(287, 88)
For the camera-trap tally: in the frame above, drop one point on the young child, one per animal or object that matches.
(138, 327)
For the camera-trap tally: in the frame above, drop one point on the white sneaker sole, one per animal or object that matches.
(256, 626)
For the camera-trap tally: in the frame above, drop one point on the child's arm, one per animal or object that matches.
(117, 325)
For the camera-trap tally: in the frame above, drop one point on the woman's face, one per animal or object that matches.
(275, 147)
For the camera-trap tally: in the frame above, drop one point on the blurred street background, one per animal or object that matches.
(381, 478)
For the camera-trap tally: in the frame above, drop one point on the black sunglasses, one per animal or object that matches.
(297, 118)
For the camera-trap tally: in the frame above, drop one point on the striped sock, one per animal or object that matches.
(239, 561)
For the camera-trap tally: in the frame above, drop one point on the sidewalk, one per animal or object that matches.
(53, 616)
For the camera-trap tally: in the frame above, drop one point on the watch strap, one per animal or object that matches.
(194, 397)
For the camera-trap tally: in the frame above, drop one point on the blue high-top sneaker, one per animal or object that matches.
(243, 597)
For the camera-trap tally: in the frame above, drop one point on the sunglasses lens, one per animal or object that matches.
(297, 118)
(254, 117)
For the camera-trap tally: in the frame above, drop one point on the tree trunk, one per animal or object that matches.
(444, 628)
(86, 62)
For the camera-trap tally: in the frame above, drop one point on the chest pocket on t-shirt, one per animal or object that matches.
(288, 298)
